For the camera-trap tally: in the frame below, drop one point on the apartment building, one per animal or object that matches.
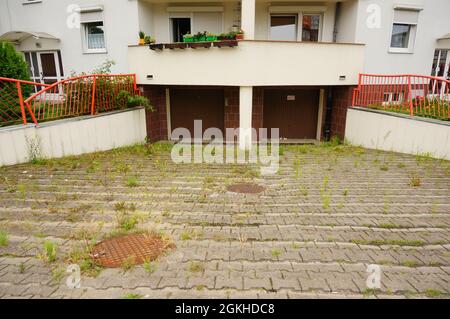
(295, 69)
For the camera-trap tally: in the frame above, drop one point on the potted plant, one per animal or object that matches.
(188, 37)
(149, 40)
(240, 35)
(211, 37)
(141, 38)
(200, 37)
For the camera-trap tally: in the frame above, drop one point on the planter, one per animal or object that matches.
(141, 42)
(200, 38)
(196, 45)
(225, 44)
(239, 36)
(158, 46)
(172, 46)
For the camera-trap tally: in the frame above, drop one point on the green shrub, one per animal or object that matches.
(125, 97)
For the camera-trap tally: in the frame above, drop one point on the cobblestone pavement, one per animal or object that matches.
(326, 215)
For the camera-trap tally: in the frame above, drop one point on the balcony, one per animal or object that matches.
(250, 63)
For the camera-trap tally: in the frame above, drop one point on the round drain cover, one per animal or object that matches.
(133, 249)
(245, 188)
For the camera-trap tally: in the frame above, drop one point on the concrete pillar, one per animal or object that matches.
(245, 116)
(248, 19)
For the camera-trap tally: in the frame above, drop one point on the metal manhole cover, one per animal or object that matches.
(246, 188)
(135, 248)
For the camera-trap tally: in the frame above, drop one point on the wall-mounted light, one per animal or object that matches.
(149, 76)
(342, 77)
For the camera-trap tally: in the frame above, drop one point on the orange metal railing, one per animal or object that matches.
(416, 95)
(12, 107)
(82, 95)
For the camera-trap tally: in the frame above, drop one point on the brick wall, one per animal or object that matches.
(156, 121)
(342, 99)
(231, 111)
(258, 106)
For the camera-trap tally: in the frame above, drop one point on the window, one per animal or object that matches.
(94, 37)
(404, 31)
(283, 27)
(400, 35)
(180, 27)
(310, 27)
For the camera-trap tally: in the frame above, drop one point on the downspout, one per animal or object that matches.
(337, 15)
(328, 114)
(329, 99)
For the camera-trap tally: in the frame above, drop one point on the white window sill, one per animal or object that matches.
(31, 2)
(100, 51)
(400, 51)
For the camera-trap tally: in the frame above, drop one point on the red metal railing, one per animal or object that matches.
(417, 95)
(12, 106)
(87, 94)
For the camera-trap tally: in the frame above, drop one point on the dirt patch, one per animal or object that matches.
(134, 248)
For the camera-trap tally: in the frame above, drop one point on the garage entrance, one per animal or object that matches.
(189, 104)
(293, 110)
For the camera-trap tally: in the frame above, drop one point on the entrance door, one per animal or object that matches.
(45, 67)
(187, 105)
(293, 111)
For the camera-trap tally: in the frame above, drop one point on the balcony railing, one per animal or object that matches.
(416, 95)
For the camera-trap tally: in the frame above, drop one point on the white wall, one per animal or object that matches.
(397, 133)
(72, 136)
(434, 22)
(120, 20)
(251, 63)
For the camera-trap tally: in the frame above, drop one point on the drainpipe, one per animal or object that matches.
(337, 15)
(328, 114)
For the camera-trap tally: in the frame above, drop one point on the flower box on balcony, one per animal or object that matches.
(225, 43)
(177, 45)
(196, 45)
(157, 46)
(188, 38)
(211, 37)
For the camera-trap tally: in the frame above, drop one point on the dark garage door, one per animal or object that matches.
(293, 111)
(187, 105)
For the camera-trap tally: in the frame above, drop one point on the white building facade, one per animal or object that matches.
(295, 68)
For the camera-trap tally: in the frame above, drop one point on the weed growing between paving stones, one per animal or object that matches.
(132, 181)
(150, 266)
(379, 242)
(50, 251)
(415, 180)
(3, 238)
(128, 263)
(196, 266)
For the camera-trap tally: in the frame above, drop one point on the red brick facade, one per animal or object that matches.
(342, 99)
(231, 111)
(157, 120)
(258, 107)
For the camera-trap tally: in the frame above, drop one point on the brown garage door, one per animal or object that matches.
(293, 111)
(187, 105)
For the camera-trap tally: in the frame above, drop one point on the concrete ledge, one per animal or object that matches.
(389, 131)
(72, 136)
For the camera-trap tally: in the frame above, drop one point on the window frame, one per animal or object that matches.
(85, 34)
(299, 13)
(412, 34)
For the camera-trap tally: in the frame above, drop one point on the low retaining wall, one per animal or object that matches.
(397, 132)
(74, 136)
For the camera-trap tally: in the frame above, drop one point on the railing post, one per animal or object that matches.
(93, 95)
(411, 110)
(22, 108)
